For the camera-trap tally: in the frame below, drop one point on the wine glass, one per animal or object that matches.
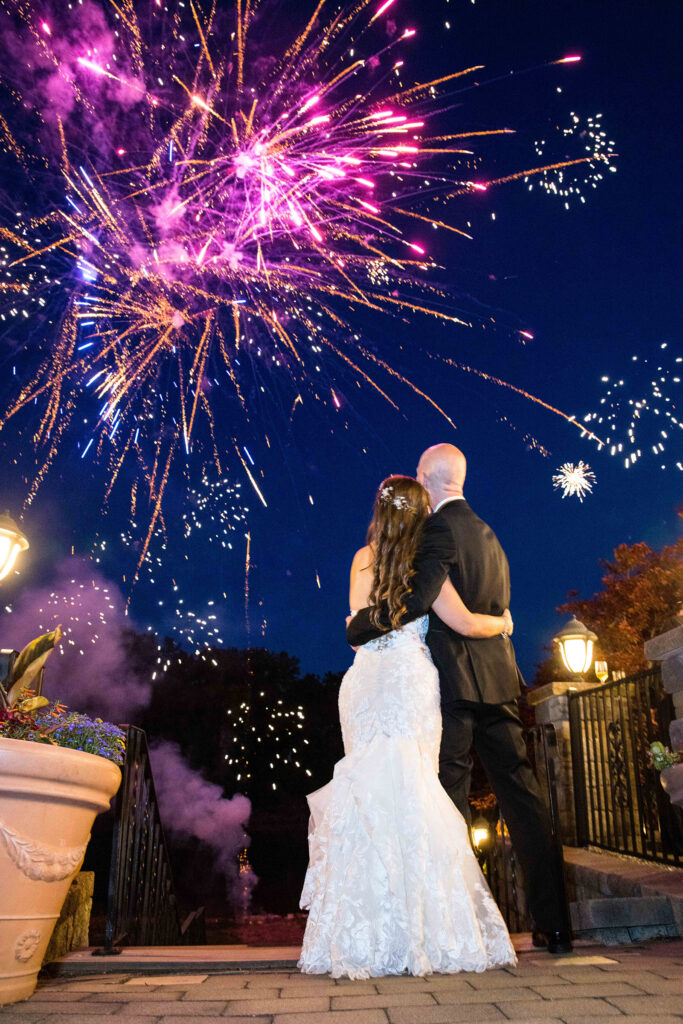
(601, 670)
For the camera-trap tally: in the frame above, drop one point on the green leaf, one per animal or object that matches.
(29, 663)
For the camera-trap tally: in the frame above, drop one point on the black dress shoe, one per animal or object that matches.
(554, 942)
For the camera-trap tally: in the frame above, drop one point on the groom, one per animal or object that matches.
(480, 682)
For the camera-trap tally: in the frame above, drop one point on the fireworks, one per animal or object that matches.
(215, 218)
(574, 479)
(210, 530)
(586, 135)
(641, 411)
(378, 272)
(215, 508)
(277, 740)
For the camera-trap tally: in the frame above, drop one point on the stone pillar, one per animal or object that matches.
(668, 648)
(551, 707)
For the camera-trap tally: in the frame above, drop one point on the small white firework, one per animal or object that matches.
(585, 135)
(574, 479)
(378, 273)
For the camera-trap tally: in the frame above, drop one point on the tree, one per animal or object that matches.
(642, 596)
(249, 721)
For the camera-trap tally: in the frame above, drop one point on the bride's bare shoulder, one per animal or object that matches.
(361, 578)
(363, 559)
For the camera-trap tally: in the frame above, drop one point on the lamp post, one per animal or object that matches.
(12, 542)
(576, 646)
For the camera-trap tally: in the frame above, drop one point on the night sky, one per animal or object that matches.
(596, 285)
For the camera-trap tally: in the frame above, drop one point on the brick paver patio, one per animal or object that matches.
(643, 985)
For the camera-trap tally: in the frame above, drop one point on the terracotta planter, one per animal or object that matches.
(672, 781)
(48, 801)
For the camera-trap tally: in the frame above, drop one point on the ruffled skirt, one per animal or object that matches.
(392, 884)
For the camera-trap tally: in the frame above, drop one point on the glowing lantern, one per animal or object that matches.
(12, 541)
(481, 834)
(576, 646)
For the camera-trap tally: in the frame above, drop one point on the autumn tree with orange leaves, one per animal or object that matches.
(642, 596)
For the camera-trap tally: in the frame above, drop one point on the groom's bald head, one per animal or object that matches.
(442, 469)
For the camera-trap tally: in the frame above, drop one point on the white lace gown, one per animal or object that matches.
(392, 884)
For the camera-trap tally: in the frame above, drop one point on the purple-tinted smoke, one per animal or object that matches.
(90, 670)
(193, 807)
(50, 77)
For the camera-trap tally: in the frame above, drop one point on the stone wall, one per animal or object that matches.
(551, 707)
(73, 927)
(668, 648)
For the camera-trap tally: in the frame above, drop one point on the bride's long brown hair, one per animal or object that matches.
(401, 507)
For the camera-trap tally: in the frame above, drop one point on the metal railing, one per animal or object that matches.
(620, 804)
(499, 862)
(501, 870)
(141, 901)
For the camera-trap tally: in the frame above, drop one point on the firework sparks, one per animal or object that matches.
(211, 529)
(574, 479)
(236, 242)
(640, 412)
(215, 219)
(569, 181)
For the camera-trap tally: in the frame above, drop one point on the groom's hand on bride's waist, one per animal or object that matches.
(348, 619)
(360, 630)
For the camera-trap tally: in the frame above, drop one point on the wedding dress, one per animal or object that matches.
(392, 883)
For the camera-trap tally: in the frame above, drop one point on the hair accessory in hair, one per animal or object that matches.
(387, 497)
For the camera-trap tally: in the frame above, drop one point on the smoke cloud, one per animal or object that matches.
(90, 670)
(47, 66)
(193, 807)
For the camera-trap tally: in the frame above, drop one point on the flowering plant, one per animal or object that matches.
(91, 735)
(19, 723)
(661, 757)
(25, 715)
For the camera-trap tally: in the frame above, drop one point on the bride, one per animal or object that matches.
(392, 883)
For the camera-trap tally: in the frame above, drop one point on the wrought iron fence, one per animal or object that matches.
(620, 804)
(141, 901)
(501, 870)
(498, 860)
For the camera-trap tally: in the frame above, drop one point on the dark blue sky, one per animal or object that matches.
(596, 285)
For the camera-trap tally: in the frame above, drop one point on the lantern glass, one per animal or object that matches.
(480, 835)
(12, 541)
(577, 653)
(576, 646)
(5, 550)
(8, 555)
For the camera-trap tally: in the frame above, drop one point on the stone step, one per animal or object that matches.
(595, 877)
(619, 919)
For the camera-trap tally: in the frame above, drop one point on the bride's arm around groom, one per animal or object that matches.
(432, 564)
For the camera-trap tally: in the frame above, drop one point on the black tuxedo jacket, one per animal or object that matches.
(457, 543)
